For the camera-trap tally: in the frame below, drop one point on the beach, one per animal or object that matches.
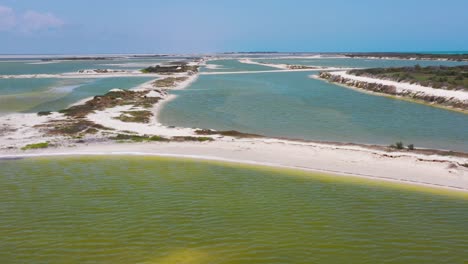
(189, 132)
(374, 162)
(429, 170)
(340, 159)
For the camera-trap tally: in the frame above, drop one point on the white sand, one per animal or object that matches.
(108, 116)
(403, 86)
(342, 160)
(107, 119)
(440, 171)
(214, 66)
(18, 129)
(279, 66)
(286, 66)
(253, 72)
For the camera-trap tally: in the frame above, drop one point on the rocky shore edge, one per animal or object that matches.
(376, 87)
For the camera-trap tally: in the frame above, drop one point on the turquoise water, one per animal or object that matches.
(234, 65)
(32, 95)
(56, 67)
(360, 63)
(97, 87)
(273, 104)
(152, 210)
(292, 105)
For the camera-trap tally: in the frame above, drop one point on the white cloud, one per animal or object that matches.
(28, 21)
(7, 18)
(33, 21)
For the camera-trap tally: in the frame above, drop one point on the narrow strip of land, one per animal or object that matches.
(251, 72)
(402, 167)
(461, 95)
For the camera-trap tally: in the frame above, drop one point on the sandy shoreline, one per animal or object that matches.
(253, 72)
(154, 127)
(403, 86)
(435, 171)
(357, 160)
(287, 67)
(452, 100)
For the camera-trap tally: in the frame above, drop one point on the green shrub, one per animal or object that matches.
(157, 138)
(44, 113)
(411, 147)
(137, 138)
(203, 139)
(36, 146)
(397, 145)
(191, 138)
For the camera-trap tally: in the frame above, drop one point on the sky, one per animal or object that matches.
(202, 26)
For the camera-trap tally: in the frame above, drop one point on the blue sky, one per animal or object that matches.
(153, 26)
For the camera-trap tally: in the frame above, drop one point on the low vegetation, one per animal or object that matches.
(147, 138)
(397, 145)
(300, 67)
(71, 127)
(111, 99)
(44, 113)
(442, 77)
(169, 81)
(400, 145)
(170, 69)
(229, 133)
(137, 138)
(190, 138)
(36, 146)
(143, 116)
(439, 100)
(418, 56)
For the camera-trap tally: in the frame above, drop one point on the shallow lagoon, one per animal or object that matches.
(32, 95)
(233, 66)
(292, 105)
(125, 209)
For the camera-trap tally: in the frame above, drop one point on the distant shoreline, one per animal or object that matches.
(409, 56)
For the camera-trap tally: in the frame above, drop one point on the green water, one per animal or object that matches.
(152, 210)
(292, 105)
(32, 95)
